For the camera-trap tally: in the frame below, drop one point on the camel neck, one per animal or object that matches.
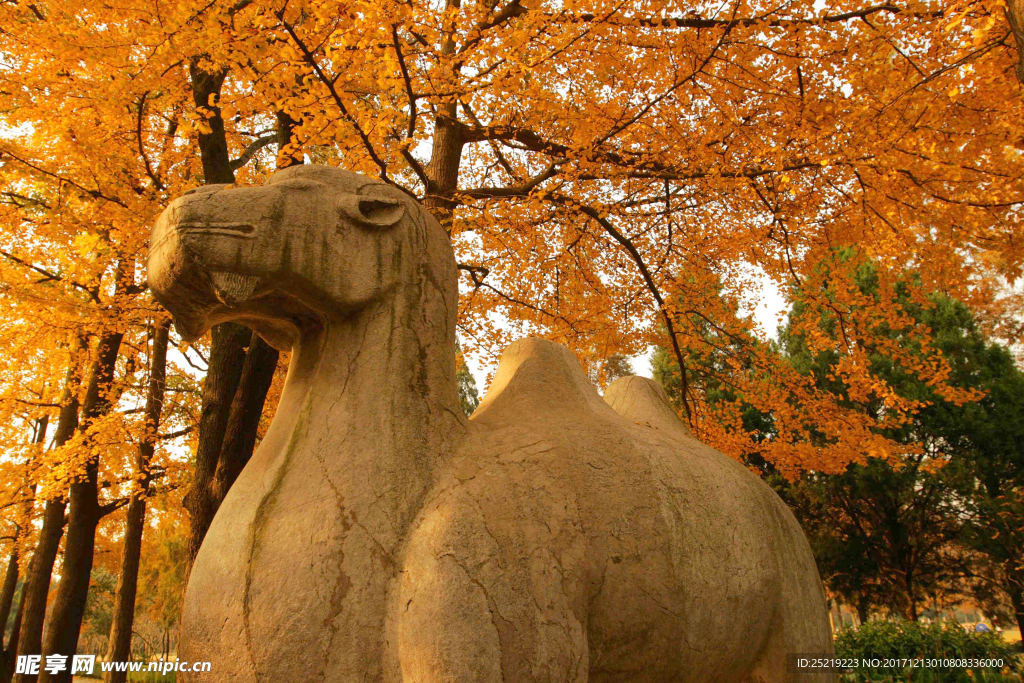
(373, 407)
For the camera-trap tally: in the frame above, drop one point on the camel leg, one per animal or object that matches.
(471, 611)
(790, 635)
(800, 624)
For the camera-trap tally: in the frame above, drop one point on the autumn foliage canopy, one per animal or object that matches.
(613, 173)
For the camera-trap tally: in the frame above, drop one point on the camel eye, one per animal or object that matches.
(381, 212)
(376, 212)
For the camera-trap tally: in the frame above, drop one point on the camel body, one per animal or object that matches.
(378, 535)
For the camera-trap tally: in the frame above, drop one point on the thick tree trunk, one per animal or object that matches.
(244, 419)
(227, 357)
(37, 584)
(443, 169)
(213, 146)
(84, 514)
(120, 641)
(40, 569)
(7, 592)
(229, 344)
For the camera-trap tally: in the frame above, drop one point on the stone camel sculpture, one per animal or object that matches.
(377, 535)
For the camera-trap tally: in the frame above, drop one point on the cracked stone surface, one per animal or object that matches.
(378, 535)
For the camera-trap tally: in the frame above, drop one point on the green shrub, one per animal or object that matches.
(914, 641)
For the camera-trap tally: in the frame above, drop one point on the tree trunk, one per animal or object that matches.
(37, 584)
(1016, 591)
(228, 348)
(11, 576)
(213, 146)
(862, 608)
(446, 156)
(7, 657)
(40, 569)
(289, 150)
(227, 357)
(443, 169)
(7, 593)
(906, 600)
(84, 514)
(246, 410)
(120, 642)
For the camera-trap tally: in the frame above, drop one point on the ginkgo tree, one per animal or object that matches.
(612, 173)
(588, 160)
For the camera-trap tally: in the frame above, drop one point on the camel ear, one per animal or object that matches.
(372, 212)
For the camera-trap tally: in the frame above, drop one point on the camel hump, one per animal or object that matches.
(644, 402)
(539, 376)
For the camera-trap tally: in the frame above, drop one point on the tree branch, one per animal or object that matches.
(310, 59)
(175, 435)
(95, 194)
(51, 276)
(251, 149)
(519, 190)
(476, 273)
(759, 21)
(652, 287)
(410, 131)
(142, 151)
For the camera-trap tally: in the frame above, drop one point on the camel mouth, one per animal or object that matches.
(227, 228)
(232, 229)
(233, 289)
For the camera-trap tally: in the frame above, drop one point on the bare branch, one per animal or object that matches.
(175, 435)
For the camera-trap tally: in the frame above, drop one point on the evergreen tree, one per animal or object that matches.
(941, 513)
(944, 510)
(468, 397)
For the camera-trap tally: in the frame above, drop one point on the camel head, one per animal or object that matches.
(312, 243)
